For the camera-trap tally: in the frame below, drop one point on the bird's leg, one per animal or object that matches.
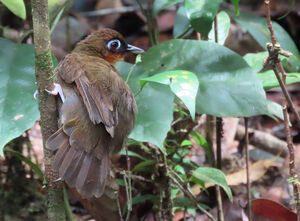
(57, 90)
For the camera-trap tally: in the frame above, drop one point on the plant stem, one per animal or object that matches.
(247, 168)
(47, 104)
(219, 134)
(286, 99)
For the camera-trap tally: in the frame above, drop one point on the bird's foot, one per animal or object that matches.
(57, 90)
(35, 94)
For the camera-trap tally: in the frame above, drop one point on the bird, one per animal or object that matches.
(96, 114)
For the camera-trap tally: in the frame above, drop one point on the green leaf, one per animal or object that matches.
(131, 154)
(215, 176)
(236, 6)
(201, 141)
(26, 160)
(162, 4)
(144, 166)
(18, 109)
(201, 14)
(256, 60)
(186, 143)
(182, 23)
(16, 6)
(224, 90)
(269, 79)
(257, 27)
(155, 108)
(183, 83)
(223, 21)
(274, 110)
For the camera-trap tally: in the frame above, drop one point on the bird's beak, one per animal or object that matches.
(133, 49)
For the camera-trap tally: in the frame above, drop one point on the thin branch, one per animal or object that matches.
(188, 193)
(219, 134)
(247, 169)
(273, 52)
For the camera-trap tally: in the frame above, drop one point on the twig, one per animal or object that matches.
(247, 168)
(187, 192)
(119, 206)
(219, 134)
(278, 65)
(129, 191)
(182, 35)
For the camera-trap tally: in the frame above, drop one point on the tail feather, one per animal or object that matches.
(57, 140)
(60, 156)
(78, 168)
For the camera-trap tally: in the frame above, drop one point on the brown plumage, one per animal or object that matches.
(97, 114)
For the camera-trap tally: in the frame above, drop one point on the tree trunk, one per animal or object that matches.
(47, 104)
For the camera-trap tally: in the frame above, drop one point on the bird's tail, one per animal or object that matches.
(79, 169)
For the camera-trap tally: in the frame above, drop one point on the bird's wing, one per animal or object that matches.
(90, 76)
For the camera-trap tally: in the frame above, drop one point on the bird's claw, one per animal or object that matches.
(35, 94)
(57, 90)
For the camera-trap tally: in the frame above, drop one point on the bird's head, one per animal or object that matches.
(107, 44)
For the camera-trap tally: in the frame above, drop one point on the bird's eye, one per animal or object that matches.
(114, 45)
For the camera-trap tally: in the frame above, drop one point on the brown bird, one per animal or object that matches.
(97, 112)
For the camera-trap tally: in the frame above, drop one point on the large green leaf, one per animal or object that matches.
(215, 176)
(16, 6)
(227, 85)
(257, 27)
(183, 83)
(223, 22)
(155, 108)
(201, 14)
(182, 24)
(161, 4)
(18, 109)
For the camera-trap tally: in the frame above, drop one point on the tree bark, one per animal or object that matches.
(47, 104)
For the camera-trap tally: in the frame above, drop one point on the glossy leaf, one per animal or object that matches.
(256, 60)
(182, 23)
(162, 4)
(236, 6)
(224, 90)
(223, 28)
(18, 109)
(201, 14)
(274, 110)
(16, 6)
(215, 176)
(183, 83)
(257, 27)
(155, 108)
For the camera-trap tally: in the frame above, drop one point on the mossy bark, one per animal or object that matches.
(47, 104)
